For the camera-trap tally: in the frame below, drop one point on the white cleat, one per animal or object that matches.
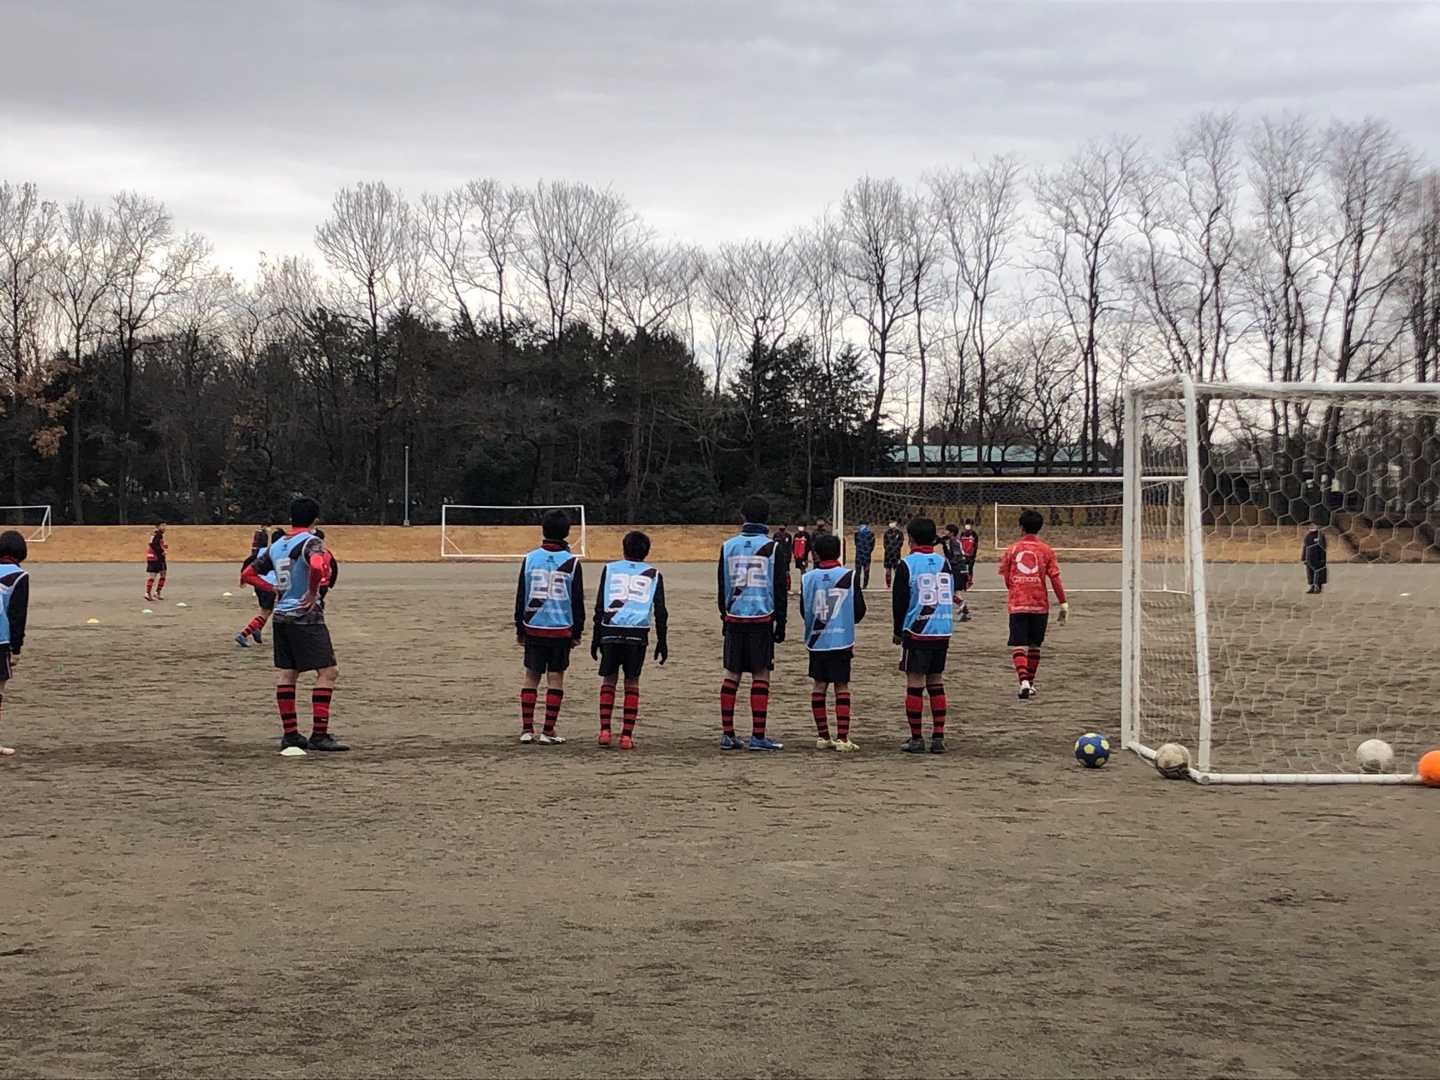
(1026, 690)
(845, 746)
(527, 736)
(824, 744)
(551, 739)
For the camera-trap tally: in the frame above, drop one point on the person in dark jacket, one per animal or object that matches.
(1314, 555)
(14, 610)
(891, 542)
(864, 552)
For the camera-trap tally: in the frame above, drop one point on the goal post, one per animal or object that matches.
(502, 533)
(32, 522)
(1084, 515)
(1302, 616)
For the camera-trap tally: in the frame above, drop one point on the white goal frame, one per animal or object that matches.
(38, 533)
(1186, 392)
(450, 550)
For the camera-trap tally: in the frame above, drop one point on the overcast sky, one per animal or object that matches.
(717, 119)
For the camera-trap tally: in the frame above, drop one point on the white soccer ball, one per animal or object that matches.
(1172, 761)
(1375, 756)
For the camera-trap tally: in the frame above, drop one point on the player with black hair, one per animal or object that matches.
(294, 568)
(264, 597)
(1026, 566)
(831, 603)
(864, 552)
(892, 543)
(549, 620)
(751, 593)
(922, 605)
(156, 564)
(969, 541)
(629, 600)
(14, 611)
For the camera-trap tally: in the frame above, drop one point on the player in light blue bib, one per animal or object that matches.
(831, 603)
(629, 601)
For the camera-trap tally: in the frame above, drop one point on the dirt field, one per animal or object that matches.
(177, 899)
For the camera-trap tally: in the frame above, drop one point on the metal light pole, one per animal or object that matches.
(407, 486)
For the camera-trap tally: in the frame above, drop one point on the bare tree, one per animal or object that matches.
(561, 225)
(978, 211)
(1082, 204)
(876, 271)
(152, 266)
(369, 240)
(82, 277)
(757, 289)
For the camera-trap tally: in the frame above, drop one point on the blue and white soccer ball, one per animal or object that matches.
(1092, 750)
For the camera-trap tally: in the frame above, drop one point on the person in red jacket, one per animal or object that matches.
(155, 563)
(1030, 570)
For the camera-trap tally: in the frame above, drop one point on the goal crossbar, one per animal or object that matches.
(453, 532)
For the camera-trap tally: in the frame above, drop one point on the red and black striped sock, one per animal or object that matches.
(915, 710)
(320, 709)
(607, 704)
(553, 696)
(253, 626)
(1021, 661)
(527, 708)
(728, 689)
(632, 710)
(842, 715)
(1032, 663)
(817, 710)
(285, 701)
(759, 706)
(937, 710)
(149, 585)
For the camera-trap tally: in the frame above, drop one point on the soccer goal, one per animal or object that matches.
(1084, 515)
(1268, 668)
(32, 522)
(501, 532)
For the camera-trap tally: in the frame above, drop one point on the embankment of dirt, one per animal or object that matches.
(365, 543)
(669, 544)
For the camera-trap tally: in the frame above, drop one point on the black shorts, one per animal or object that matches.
(627, 656)
(266, 600)
(302, 646)
(891, 564)
(917, 658)
(546, 654)
(749, 648)
(155, 566)
(832, 665)
(7, 669)
(1027, 629)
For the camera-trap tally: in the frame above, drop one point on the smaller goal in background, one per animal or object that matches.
(31, 522)
(502, 533)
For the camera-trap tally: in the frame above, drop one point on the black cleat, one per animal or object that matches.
(258, 639)
(326, 742)
(937, 744)
(294, 738)
(913, 746)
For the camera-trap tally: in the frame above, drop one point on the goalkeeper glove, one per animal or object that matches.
(662, 653)
(779, 633)
(595, 648)
(1064, 614)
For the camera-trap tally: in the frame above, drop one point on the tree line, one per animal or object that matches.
(534, 344)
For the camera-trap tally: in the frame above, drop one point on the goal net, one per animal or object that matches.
(1266, 667)
(1084, 516)
(31, 522)
(501, 532)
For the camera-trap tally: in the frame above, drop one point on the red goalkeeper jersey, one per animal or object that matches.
(1027, 565)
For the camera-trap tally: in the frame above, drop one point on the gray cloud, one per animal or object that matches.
(715, 118)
